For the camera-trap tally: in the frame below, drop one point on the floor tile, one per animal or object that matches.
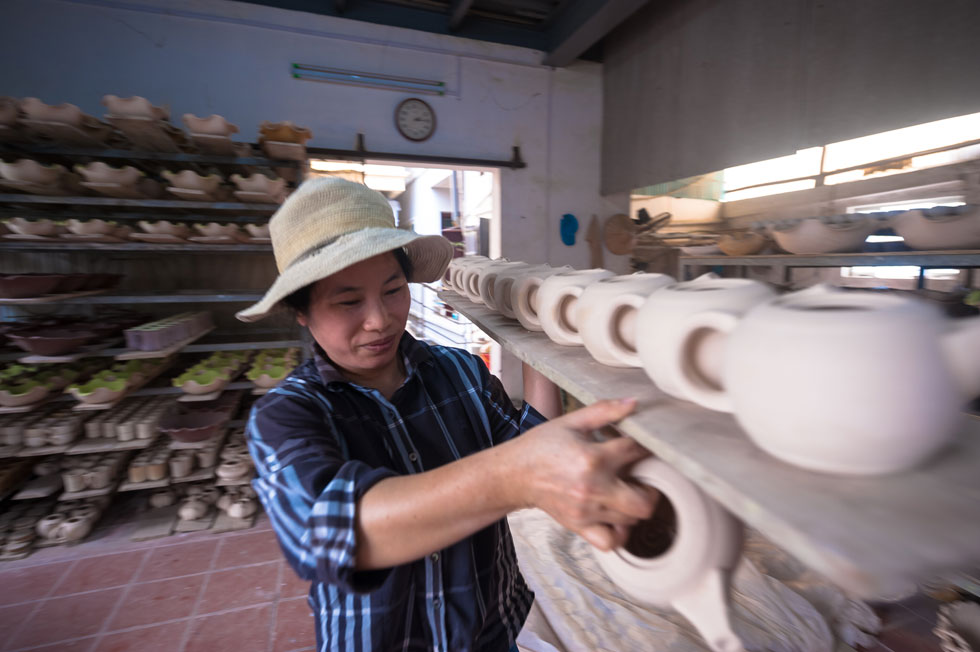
(11, 619)
(155, 602)
(240, 587)
(294, 625)
(291, 586)
(82, 645)
(70, 617)
(246, 630)
(100, 572)
(182, 559)
(158, 638)
(251, 548)
(900, 640)
(31, 582)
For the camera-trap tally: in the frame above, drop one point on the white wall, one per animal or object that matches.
(214, 56)
(422, 204)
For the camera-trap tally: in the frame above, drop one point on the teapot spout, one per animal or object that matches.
(961, 345)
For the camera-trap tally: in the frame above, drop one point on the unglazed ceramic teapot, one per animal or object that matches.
(837, 381)
(693, 574)
(558, 303)
(661, 320)
(524, 295)
(607, 316)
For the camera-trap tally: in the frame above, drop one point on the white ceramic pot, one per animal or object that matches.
(814, 236)
(693, 574)
(192, 509)
(607, 316)
(662, 317)
(558, 303)
(958, 228)
(524, 295)
(835, 381)
(488, 282)
(213, 125)
(73, 528)
(242, 508)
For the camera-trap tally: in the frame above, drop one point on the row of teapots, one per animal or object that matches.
(826, 379)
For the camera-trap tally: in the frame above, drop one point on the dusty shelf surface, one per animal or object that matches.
(872, 536)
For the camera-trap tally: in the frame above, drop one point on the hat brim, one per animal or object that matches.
(430, 256)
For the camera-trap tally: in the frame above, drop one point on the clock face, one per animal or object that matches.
(415, 119)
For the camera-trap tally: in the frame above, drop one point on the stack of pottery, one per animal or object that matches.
(150, 464)
(814, 380)
(131, 419)
(213, 135)
(110, 384)
(218, 233)
(91, 471)
(271, 366)
(55, 426)
(236, 464)
(38, 227)
(212, 374)
(941, 227)
(145, 125)
(70, 521)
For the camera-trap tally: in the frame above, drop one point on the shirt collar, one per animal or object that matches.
(413, 353)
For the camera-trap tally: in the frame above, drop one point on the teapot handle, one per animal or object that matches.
(693, 379)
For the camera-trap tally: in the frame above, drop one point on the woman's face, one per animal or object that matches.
(358, 314)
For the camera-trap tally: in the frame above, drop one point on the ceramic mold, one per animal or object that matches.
(134, 107)
(836, 381)
(504, 280)
(454, 274)
(694, 573)
(90, 227)
(99, 172)
(258, 182)
(213, 125)
(175, 229)
(191, 180)
(940, 228)
(488, 283)
(607, 316)
(35, 109)
(27, 170)
(558, 303)
(524, 295)
(215, 230)
(40, 227)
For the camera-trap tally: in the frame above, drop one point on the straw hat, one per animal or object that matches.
(329, 224)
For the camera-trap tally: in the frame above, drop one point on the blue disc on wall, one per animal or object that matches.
(569, 226)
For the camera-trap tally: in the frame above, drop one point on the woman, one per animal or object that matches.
(387, 466)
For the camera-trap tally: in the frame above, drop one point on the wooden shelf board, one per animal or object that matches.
(90, 493)
(149, 484)
(873, 536)
(235, 482)
(92, 350)
(28, 451)
(950, 258)
(163, 353)
(197, 398)
(134, 247)
(197, 476)
(107, 445)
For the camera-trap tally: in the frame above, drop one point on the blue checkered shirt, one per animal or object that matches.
(320, 442)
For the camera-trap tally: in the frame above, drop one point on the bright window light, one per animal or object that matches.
(891, 144)
(774, 189)
(804, 163)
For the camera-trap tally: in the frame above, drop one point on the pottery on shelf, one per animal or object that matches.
(50, 342)
(46, 526)
(242, 508)
(162, 498)
(40, 227)
(487, 282)
(524, 295)
(817, 236)
(746, 243)
(663, 316)
(73, 528)
(474, 275)
(217, 230)
(35, 109)
(134, 107)
(191, 180)
(232, 470)
(20, 286)
(690, 572)
(835, 381)
(942, 227)
(607, 316)
(558, 300)
(504, 280)
(213, 125)
(454, 274)
(9, 111)
(27, 170)
(192, 509)
(181, 465)
(258, 230)
(99, 172)
(90, 227)
(192, 426)
(18, 395)
(284, 132)
(259, 182)
(163, 227)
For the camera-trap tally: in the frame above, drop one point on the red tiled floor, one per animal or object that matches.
(70, 617)
(183, 559)
(246, 630)
(251, 548)
(901, 640)
(83, 645)
(100, 572)
(294, 625)
(158, 601)
(291, 585)
(240, 587)
(158, 638)
(11, 618)
(30, 583)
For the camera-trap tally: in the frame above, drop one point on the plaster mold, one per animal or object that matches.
(558, 303)
(525, 295)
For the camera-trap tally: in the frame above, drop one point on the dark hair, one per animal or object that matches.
(299, 301)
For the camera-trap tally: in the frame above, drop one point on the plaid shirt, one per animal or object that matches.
(320, 442)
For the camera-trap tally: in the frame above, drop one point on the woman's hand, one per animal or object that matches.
(578, 480)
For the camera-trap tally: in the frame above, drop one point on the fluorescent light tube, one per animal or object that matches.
(370, 80)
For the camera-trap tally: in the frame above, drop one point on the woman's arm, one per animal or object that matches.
(556, 467)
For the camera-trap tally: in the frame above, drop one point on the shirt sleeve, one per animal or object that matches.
(308, 489)
(506, 421)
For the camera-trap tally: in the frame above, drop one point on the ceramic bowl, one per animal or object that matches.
(32, 227)
(819, 236)
(52, 342)
(35, 394)
(213, 125)
(192, 426)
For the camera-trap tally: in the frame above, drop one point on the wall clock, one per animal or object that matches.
(415, 119)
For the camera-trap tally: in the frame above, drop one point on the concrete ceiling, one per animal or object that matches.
(564, 30)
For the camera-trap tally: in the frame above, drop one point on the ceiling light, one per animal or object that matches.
(371, 80)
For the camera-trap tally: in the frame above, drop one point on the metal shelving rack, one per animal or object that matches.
(689, 266)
